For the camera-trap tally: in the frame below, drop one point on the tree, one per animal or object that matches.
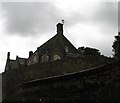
(116, 46)
(88, 51)
(92, 51)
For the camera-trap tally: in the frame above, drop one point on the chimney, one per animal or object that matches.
(59, 28)
(8, 55)
(17, 57)
(30, 53)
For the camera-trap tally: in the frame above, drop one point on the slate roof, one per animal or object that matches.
(55, 39)
(47, 44)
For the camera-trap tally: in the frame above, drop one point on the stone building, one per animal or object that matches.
(56, 48)
(55, 58)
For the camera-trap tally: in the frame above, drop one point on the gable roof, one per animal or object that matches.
(59, 40)
(56, 39)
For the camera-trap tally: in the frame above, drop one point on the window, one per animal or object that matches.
(35, 58)
(56, 57)
(45, 58)
(66, 49)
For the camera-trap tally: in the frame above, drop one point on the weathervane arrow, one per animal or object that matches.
(63, 21)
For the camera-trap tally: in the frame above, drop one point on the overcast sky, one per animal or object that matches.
(26, 25)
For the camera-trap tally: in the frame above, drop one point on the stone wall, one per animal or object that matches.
(98, 86)
(13, 78)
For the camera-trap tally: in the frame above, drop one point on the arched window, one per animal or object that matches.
(45, 58)
(66, 49)
(56, 57)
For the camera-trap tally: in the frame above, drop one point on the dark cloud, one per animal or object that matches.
(30, 18)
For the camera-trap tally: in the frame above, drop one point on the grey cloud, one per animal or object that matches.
(119, 16)
(107, 16)
(104, 16)
(30, 18)
(75, 18)
(107, 13)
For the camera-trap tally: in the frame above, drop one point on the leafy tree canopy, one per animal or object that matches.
(116, 46)
(88, 51)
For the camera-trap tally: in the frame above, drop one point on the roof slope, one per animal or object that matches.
(58, 38)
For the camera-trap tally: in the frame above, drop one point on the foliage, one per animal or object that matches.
(116, 46)
(88, 51)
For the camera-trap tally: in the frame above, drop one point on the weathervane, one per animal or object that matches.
(63, 21)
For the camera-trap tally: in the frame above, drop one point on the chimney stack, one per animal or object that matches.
(8, 55)
(59, 28)
(30, 53)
